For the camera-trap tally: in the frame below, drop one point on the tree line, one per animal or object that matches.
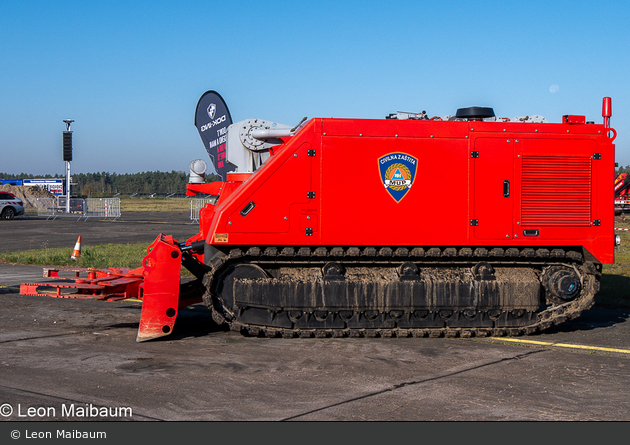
(108, 184)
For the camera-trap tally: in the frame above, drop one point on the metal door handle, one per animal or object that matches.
(506, 189)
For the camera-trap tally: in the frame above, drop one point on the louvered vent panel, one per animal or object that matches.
(556, 191)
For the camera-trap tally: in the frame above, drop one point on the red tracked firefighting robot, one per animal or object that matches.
(348, 227)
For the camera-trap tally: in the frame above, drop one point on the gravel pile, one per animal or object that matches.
(28, 194)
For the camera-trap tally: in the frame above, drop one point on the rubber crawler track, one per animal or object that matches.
(540, 258)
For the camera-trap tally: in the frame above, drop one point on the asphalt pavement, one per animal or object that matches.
(59, 355)
(33, 232)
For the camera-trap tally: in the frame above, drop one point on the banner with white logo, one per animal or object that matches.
(212, 119)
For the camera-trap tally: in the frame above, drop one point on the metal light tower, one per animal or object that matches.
(67, 156)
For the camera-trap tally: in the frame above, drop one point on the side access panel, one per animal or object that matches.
(492, 177)
(363, 205)
(557, 193)
(275, 204)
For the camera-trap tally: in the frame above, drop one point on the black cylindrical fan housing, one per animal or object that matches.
(474, 113)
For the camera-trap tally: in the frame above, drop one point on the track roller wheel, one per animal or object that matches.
(333, 271)
(562, 284)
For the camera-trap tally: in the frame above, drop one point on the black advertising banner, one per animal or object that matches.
(212, 119)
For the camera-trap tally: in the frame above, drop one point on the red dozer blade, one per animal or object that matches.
(162, 282)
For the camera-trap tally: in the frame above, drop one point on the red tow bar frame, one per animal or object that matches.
(100, 284)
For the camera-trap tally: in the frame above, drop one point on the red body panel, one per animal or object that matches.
(475, 184)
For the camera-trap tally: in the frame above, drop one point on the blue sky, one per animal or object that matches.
(130, 73)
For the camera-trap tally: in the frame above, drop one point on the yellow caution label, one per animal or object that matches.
(220, 237)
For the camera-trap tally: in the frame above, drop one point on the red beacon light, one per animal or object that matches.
(607, 111)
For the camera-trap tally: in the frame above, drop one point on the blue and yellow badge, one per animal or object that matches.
(397, 170)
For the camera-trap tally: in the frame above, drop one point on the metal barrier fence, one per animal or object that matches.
(79, 208)
(44, 206)
(98, 207)
(102, 208)
(196, 205)
(54, 207)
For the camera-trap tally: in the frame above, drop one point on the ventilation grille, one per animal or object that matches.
(556, 191)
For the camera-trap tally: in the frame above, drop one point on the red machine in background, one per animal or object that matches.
(347, 227)
(622, 196)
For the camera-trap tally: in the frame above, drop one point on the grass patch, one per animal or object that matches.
(181, 205)
(615, 282)
(100, 257)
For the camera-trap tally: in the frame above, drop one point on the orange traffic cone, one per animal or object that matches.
(76, 253)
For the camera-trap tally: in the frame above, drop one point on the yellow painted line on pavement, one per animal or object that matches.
(132, 300)
(594, 348)
(516, 340)
(562, 345)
